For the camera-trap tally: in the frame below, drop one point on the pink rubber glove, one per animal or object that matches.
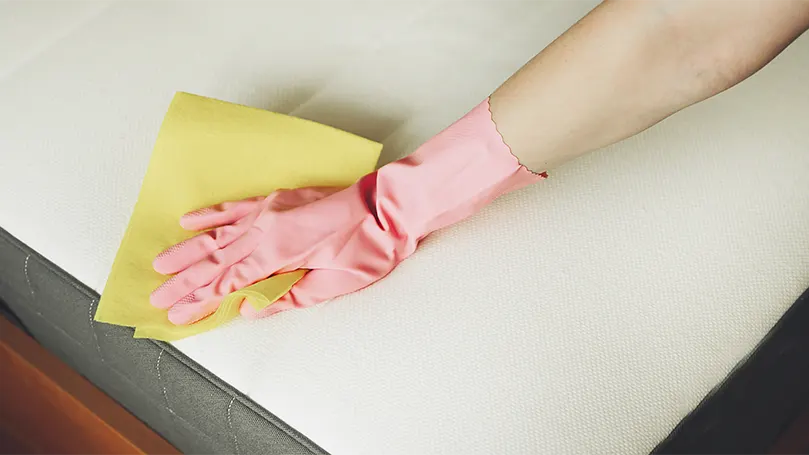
(347, 238)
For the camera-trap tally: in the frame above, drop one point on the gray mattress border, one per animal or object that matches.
(210, 416)
(38, 292)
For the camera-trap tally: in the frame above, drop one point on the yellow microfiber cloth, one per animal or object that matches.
(207, 152)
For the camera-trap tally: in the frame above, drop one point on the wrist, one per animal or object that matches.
(450, 177)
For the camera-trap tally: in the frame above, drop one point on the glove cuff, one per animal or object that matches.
(450, 177)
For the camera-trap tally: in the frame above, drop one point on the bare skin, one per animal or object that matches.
(624, 67)
(629, 64)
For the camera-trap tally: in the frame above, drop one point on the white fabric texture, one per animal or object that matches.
(587, 314)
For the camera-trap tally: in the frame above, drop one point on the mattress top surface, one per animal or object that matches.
(589, 313)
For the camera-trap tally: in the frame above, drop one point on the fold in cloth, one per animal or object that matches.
(207, 152)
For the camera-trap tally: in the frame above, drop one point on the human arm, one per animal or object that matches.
(629, 64)
(595, 85)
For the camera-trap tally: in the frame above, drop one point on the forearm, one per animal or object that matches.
(624, 67)
(631, 63)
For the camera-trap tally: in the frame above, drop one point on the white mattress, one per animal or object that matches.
(587, 314)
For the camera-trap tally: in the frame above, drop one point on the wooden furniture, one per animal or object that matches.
(795, 439)
(46, 407)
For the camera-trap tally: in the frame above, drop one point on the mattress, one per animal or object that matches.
(590, 313)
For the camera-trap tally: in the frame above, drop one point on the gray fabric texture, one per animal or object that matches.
(191, 408)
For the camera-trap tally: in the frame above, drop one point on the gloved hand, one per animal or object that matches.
(347, 238)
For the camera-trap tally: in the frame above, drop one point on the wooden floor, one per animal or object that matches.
(46, 407)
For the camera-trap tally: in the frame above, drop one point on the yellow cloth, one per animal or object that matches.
(209, 151)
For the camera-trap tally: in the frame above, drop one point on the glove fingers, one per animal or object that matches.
(218, 215)
(231, 220)
(206, 270)
(188, 252)
(191, 309)
(317, 286)
(180, 256)
(205, 300)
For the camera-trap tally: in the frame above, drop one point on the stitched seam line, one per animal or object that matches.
(93, 328)
(179, 356)
(230, 425)
(160, 382)
(30, 288)
(128, 381)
